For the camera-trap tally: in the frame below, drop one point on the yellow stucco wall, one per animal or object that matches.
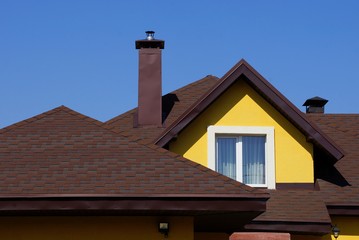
(349, 228)
(242, 106)
(93, 228)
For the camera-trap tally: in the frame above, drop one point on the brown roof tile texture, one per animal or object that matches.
(182, 99)
(344, 129)
(284, 205)
(64, 152)
(295, 206)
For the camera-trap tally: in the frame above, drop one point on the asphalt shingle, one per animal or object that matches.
(64, 152)
(344, 129)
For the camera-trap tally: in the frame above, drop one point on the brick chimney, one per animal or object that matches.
(149, 111)
(315, 105)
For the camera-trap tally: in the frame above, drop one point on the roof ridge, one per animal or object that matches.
(202, 98)
(190, 108)
(119, 117)
(194, 83)
(295, 109)
(82, 116)
(90, 120)
(51, 112)
(125, 114)
(337, 128)
(31, 119)
(149, 144)
(269, 92)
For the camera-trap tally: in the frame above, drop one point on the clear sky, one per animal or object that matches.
(81, 53)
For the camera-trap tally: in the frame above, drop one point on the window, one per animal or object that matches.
(245, 154)
(249, 151)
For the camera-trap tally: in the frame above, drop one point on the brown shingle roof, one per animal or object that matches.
(292, 205)
(62, 162)
(304, 210)
(300, 211)
(174, 104)
(64, 152)
(344, 129)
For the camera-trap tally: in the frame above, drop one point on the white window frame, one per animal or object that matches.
(218, 131)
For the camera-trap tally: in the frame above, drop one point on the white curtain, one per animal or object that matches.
(253, 162)
(226, 156)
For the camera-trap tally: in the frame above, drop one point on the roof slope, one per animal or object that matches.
(344, 128)
(64, 152)
(242, 71)
(280, 213)
(301, 211)
(174, 104)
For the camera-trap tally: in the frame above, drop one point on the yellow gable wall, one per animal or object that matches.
(349, 228)
(240, 105)
(93, 228)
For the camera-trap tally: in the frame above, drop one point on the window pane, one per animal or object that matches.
(226, 156)
(253, 159)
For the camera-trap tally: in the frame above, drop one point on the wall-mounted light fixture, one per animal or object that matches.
(335, 231)
(164, 227)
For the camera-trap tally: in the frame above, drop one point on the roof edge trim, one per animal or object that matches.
(343, 209)
(140, 196)
(133, 204)
(278, 100)
(315, 228)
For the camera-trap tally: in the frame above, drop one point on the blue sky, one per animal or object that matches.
(81, 53)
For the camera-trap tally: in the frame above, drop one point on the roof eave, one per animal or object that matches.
(190, 203)
(217, 214)
(312, 228)
(343, 209)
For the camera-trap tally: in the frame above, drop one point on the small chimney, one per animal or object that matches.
(149, 110)
(315, 105)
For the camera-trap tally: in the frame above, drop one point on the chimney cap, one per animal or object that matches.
(150, 35)
(315, 105)
(150, 41)
(315, 101)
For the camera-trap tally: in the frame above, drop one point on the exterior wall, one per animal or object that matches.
(242, 106)
(91, 228)
(349, 228)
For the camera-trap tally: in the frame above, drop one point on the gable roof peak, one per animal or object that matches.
(244, 71)
(61, 108)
